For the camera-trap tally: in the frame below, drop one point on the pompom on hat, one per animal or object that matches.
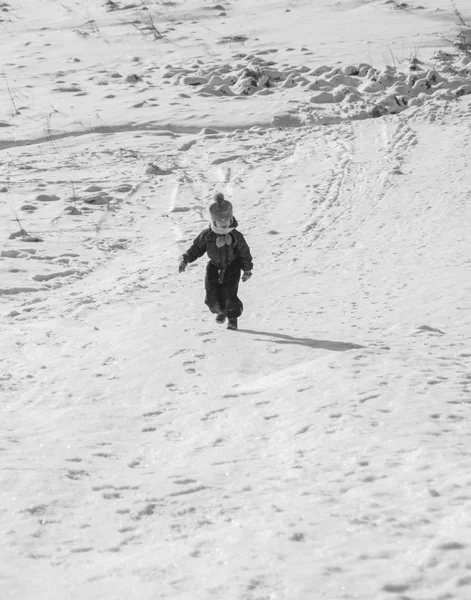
(220, 209)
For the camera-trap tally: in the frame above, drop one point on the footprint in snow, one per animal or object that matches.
(429, 329)
(213, 412)
(154, 413)
(77, 474)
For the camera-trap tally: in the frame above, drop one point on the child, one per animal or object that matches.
(228, 253)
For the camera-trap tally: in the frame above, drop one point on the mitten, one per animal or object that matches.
(247, 275)
(182, 265)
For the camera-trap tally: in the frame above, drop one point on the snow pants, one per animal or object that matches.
(221, 297)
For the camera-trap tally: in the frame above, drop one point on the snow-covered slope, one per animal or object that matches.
(322, 451)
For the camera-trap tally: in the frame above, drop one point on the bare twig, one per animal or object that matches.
(15, 110)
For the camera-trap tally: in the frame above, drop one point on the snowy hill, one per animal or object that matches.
(322, 451)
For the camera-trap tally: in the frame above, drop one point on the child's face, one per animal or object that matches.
(223, 223)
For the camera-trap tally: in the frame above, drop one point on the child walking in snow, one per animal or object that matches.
(228, 254)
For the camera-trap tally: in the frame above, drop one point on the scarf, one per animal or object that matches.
(223, 234)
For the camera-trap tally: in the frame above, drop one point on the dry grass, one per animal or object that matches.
(145, 23)
(463, 41)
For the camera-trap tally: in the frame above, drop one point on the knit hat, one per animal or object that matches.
(220, 209)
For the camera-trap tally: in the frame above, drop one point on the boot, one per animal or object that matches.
(221, 317)
(232, 323)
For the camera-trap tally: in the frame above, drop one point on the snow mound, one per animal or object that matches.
(360, 89)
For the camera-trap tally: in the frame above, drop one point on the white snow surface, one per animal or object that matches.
(321, 452)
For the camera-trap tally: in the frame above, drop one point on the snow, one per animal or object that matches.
(323, 450)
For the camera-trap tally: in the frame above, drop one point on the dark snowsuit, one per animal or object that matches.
(223, 269)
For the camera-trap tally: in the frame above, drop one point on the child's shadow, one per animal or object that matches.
(310, 343)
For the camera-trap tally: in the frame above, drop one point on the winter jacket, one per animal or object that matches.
(223, 256)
